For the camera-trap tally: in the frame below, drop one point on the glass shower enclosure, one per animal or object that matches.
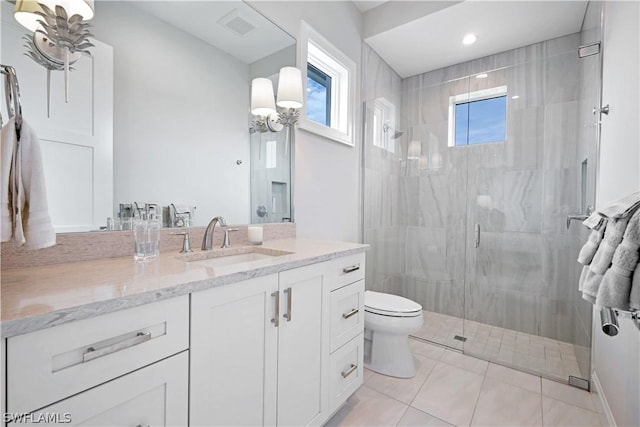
(469, 175)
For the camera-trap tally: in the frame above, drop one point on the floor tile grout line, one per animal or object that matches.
(475, 406)
(403, 414)
(541, 404)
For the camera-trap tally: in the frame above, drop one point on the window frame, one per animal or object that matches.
(465, 98)
(314, 48)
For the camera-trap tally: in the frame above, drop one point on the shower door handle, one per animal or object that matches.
(477, 235)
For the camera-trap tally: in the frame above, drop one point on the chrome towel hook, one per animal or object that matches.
(12, 95)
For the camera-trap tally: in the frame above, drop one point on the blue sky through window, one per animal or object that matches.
(316, 101)
(481, 121)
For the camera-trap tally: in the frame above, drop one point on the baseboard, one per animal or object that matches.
(602, 400)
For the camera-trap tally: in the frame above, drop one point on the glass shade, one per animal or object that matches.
(262, 100)
(290, 88)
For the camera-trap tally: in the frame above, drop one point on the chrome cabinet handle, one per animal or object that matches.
(351, 268)
(349, 371)
(93, 353)
(351, 313)
(276, 317)
(477, 234)
(287, 315)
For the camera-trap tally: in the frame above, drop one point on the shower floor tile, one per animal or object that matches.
(532, 353)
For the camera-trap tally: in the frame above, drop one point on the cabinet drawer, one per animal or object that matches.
(346, 372)
(152, 396)
(347, 313)
(51, 364)
(346, 270)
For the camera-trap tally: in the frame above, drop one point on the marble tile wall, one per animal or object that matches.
(389, 201)
(524, 275)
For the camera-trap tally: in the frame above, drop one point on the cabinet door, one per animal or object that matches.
(155, 395)
(233, 354)
(301, 346)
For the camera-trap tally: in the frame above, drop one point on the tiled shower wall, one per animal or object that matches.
(422, 201)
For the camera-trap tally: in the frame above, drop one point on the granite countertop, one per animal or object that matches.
(40, 297)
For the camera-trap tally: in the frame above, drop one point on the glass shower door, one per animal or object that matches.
(431, 197)
(522, 306)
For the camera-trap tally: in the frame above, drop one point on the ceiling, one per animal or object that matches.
(206, 20)
(365, 5)
(434, 40)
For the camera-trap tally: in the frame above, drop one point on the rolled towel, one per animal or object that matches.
(634, 295)
(622, 207)
(594, 221)
(589, 249)
(612, 238)
(615, 288)
(589, 284)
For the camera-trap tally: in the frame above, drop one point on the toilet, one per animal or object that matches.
(388, 321)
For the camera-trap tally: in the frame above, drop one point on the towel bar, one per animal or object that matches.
(633, 315)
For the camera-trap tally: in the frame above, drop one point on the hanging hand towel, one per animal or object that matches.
(612, 238)
(25, 214)
(615, 288)
(595, 238)
(634, 298)
(589, 284)
(621, 207)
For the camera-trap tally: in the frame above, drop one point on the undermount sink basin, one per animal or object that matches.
(221, 257)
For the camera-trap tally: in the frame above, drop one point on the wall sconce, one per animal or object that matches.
(60, 34)
(263, 104)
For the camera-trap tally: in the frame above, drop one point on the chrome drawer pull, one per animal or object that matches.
(351, 268)
(92, 353)
(351, 313)
(276, 317)
(287, 315)
(349, 371)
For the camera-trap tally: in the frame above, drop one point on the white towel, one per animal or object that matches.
(622, 207)
(25, 214)
(612, 237)
(634, 295)
(615, 288)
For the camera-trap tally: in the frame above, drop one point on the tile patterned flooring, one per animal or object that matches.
(533, 353)
(454, 389)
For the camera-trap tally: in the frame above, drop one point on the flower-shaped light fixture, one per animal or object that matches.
(60, 34)
(263, 103)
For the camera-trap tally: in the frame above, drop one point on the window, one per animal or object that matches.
(384, 113)
(318, 95)
(329, 108)
(478, 117)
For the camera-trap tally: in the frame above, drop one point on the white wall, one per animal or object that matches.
(327, 173)
(617, 359)
(180, 116)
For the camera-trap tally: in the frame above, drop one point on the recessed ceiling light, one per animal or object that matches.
(482, 76)
(469, 39)
(515, 97)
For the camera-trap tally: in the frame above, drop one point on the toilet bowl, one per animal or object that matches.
(388, 321)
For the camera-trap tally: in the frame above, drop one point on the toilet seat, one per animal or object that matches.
(390, 305)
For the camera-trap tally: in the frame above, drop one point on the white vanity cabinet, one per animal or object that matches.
(92, 365)
(282, 349)
(234, 354)
(155, 395)
(301, 387)
(261, 349)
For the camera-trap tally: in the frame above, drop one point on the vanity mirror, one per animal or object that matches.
(159, 114)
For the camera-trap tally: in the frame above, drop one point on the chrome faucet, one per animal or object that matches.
(207, 240)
